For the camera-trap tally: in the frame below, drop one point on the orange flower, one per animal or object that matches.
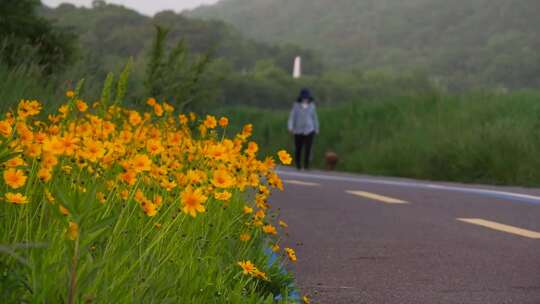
(222, 179)
(223, 196)
(134, 118)
(168, 185)
(81, 105)
(158, 110)
(45, 174)
(192, 201)
(291, 254)
(5, 128)
(93, 150)
(73, 231)
(54, 146)
(285, 158)
(17, 161)
(151, 101)
(248, 210)
(63, 210)
(223, 122)
(14, 178)
(252, 148)
(210, 122)
(247, 267)
(16, 198)
(154, 146)
(141, 162)
(269, 229)
(129, 177)
(244, 237)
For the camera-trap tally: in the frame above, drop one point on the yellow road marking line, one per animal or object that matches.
(377, 197)
(502, 227)
(301, 183)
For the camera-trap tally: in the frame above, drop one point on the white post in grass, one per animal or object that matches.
(297, 71)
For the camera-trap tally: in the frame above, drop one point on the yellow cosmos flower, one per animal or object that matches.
(168, 108)
(275, 248)
(5, 128)
(151, 101)
(168, 185)
(223, 122)
(129, 177)
(306, 300)
(248, 210)
(17, 161)
(223, 196)
(283, 224)
(210, 122)
(93, 150)
(244, 237)
(70, 144)
(252, 148)
(81, 105)
(291, 254)
(70, 94)
(73, 231)
(248, 268)
(134, 118)
(192, 201)
(54, 146)
(16, 198)
(284, 157)
(14, 178)
(269, 229)
(158, 110)
(49, 160)
(154, 146)
(222, 179)
(141, 162)
(44, 174)
(150, 209)
(28, 108)
(63, 210)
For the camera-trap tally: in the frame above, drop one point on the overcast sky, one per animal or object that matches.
(148, 7)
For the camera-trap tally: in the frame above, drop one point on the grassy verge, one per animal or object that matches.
(477, 137)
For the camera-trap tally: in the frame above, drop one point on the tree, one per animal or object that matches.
(28, 38)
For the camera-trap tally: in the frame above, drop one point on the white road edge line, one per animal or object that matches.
(502, 227)
(421, 185)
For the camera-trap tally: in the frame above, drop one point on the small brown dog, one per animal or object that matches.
(331, 160)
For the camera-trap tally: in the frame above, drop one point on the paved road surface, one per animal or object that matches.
(375, 240)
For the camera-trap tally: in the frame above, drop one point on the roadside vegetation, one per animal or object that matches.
(106, 204)
(478, 137)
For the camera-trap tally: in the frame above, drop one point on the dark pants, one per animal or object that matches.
(303, 142)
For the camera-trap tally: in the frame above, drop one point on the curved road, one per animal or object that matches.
(379, 240)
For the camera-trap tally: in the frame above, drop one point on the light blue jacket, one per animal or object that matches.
(303, 120)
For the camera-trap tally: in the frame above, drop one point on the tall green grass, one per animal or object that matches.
(476, 137)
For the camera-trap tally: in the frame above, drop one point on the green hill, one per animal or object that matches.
(108, 34)
(460, 43)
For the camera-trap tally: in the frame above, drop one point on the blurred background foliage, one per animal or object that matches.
(421, 88)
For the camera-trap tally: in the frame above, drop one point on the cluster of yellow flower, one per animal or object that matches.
(152, 159)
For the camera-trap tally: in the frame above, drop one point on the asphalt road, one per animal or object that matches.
(374, 240)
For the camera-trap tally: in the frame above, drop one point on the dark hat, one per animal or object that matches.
(305, 94)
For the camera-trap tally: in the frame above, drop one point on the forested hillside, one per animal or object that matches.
(460, 43)
(109, 34)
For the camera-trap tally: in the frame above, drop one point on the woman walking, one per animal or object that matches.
(303, 124)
